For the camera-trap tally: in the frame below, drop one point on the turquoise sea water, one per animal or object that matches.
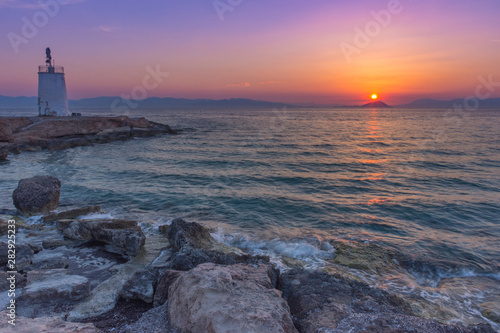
(422, 182)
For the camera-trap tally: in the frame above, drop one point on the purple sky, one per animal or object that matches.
(290, 51)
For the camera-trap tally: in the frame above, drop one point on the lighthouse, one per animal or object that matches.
(52, 96)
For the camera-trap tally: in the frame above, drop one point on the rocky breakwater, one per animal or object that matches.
(36, 133)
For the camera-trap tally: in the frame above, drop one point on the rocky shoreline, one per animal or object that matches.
(80, 272)
(36, 133)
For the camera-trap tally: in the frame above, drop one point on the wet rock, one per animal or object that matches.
(491, 311)
(164, 283)
(320, 302)
(123, 237)
(366, 257)
(215, 298)
(164, 228)
(77, 231)
(55, 285)
(140, 286)
(192, 245)
(71, 214)
(46, 324)
(23, 256)
(189, 235)
(36, 195)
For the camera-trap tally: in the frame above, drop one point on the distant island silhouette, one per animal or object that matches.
(376, 104)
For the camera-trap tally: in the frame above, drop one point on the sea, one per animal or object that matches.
(291, 182)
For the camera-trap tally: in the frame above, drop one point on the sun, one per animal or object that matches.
(374, 96)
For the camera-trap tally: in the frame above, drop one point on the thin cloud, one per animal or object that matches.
(107, 28)
(23, 4)
(270, 82)
(496, 40)
(239, 85)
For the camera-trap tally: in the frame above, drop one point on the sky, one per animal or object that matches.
(294, 51)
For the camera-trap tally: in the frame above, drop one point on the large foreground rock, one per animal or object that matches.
(192, 245)
(237, 298)
(124, 237)
(320, 302)
(37, 195)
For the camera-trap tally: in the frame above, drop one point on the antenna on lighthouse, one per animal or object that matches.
(49, 57)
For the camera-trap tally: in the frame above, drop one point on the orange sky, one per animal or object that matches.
(289, 51)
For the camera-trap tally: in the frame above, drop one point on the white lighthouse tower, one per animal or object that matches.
(52, 96)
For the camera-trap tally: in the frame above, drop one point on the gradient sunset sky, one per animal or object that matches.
(277, 50)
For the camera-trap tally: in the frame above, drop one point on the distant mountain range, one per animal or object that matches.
(156, 102)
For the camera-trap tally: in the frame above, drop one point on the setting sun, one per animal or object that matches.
(374, 96)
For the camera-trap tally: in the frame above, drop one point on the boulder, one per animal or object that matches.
(36, 195)
(55, 285)
(123, 237)
(46, 324)
(192, 245)
(189, 235)
(71, 214)
(327, 303)
(140, 286)
(237, 298)
(164, 283)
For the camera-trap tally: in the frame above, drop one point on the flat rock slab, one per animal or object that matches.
(44, 324)
(55, 285)
(124, 237)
